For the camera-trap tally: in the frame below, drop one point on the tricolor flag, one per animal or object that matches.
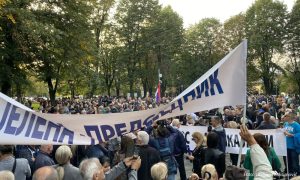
(157, 93)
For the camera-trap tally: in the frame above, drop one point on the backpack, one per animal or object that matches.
(297, 142)
(164, 148)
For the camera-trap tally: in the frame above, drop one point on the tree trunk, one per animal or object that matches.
(19, 92)
(52, 91)
(268, 85)
(145, 88)
(131, 87)
(6, 87)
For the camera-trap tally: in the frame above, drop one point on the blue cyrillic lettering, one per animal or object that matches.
(107, 132)
(66, 132)
(30, 125)
(48, 130)
(20, 129)
(138, 123)
(120, 129)
(13, 116)
(36, 133)
(4, 117)
(191, 93)
(214, 81)
(89, 129)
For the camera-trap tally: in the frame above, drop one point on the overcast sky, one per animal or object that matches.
(194, 10)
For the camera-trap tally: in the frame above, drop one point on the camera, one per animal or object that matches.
(162, 123)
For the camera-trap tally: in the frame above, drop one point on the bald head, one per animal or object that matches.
(47, 148)
(45, 173)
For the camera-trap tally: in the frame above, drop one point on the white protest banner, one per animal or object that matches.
(275, 138)
(224, 84)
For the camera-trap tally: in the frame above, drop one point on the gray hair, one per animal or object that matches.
(89, 167)
(45, 173)
(175, 122)
(144, 137)
(7, 175)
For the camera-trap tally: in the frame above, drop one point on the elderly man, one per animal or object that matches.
(220, 131)
(43, 158)
(19, 167)
(267, 123)
(149, 155)
(179, 149)
(45, 173)
(91, 169)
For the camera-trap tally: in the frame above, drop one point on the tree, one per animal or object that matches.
(100, 23)
(234, 32)
(132, 17)
(202, 49)
(265, 30)
(14, 46)
(293, 44)
(167, 38)
(61, 40)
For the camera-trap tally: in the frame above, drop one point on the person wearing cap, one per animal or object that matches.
(291, 127)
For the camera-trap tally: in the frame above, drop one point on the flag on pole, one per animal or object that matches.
(157, 93)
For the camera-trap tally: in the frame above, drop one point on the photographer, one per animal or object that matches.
(163, 140)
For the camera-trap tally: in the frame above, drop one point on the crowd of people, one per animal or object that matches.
(157, 152)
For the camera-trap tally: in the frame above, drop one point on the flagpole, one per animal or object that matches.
(245, 109)
(242, 141)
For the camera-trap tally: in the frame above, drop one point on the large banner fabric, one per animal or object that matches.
(275, 138)
(224, 84)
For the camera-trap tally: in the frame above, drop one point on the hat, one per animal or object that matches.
(235, 173)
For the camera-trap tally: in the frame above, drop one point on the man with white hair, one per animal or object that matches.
(179, 149)
(149, 155)
(91, 169)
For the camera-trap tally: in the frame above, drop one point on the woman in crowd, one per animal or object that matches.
(64, 168)
(198, 155)
(159, 171)
(209, 172)
(272, 156)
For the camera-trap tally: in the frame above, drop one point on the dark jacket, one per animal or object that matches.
(180, 143)
(264, 125)
(43, 159)
(217, 158)
(199, 159)
(165, 144)
(28, 153)
(149, 157)
(222, 138)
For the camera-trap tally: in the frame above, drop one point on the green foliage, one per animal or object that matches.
(293, 44)
(201, 50)
(101, 45)
(265, 30)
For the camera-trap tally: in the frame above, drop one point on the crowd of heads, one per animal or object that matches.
(95, 162)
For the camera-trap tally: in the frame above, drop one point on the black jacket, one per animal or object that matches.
(149, 157)
(199, 159)
(217, 158)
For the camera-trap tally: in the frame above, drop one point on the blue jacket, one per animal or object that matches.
(222, 138)
(180, 143)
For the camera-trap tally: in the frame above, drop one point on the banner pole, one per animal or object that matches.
(287, 167)
(242, 141)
